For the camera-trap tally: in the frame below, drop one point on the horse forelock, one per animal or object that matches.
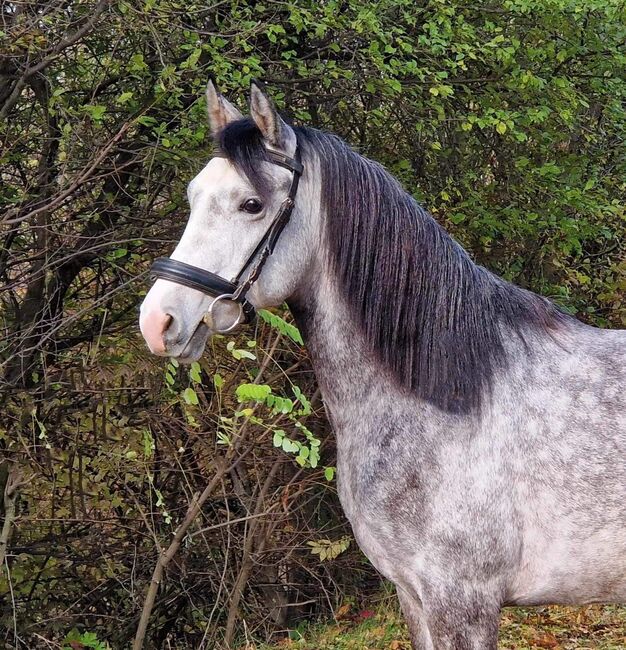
(242, 143)
(428, 312)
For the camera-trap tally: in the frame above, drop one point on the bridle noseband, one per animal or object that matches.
(235, 290)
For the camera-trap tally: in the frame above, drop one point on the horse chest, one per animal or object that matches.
(383, 504)
(373, 533)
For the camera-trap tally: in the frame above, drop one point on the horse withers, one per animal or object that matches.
(481, 432)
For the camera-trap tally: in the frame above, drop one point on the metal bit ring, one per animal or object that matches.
(209, 321)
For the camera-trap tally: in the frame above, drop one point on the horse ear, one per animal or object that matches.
(273, 128)
(221, 111)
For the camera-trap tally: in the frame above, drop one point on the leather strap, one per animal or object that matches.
(292, 164)
(194, 277)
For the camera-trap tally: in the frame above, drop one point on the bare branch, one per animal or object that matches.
(47, 60)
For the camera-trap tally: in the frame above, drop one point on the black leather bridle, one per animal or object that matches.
(235, 290)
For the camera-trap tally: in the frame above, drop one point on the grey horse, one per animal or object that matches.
(481, 431)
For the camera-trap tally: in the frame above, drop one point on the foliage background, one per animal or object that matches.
(505, 118)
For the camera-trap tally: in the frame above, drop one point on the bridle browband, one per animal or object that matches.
(235, 290)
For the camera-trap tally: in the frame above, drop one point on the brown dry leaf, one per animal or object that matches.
(546, 640)
(398, 645)
(342, 611)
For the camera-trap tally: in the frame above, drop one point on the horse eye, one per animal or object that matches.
(252, 206)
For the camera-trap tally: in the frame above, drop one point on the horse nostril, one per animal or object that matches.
(154, 325)
(171, 331)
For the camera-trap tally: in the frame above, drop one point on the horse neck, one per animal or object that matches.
(352, 380)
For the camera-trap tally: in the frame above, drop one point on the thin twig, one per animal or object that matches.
(47, 60)
(10, 499)
(85, 174)
(234, 521)
(166, 556)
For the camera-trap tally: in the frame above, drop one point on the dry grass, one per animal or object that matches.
(601, 627)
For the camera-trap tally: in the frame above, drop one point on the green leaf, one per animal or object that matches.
(281, 325)
(329, 473)
(148, 443)
(136, 63)
(301, 397)
(279, 404)
(256, 392)
(223, 438)
(190, 396)
(290, 446)
(124, 98)
(194, 372)
(241, 354)
(146, 120)
(246, 413)
(95, 112)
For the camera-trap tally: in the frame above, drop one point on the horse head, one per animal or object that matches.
(248, 241)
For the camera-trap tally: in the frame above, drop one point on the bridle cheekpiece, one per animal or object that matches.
(235, 290)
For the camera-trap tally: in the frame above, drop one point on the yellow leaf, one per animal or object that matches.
(342, 611)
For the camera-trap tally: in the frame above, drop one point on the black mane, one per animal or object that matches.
(431, 315)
